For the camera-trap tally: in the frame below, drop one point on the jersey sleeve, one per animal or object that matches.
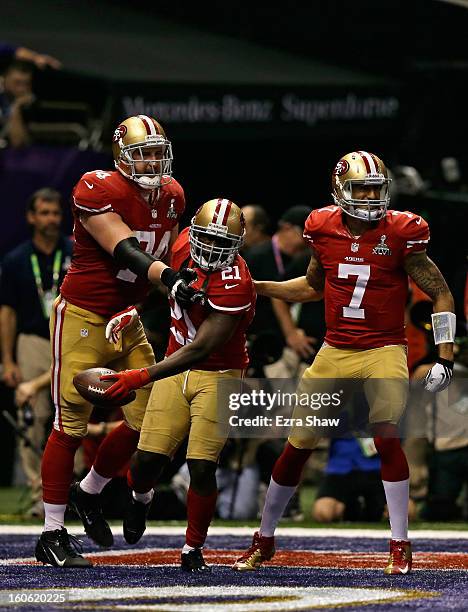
(91, 195)
(231, 296)
(179, 199)
(314, 225)
(414, 232)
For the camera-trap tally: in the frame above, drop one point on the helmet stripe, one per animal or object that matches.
(369, 162)
(227, 210)
(149, 125)
(376, 162)
(223, 212)
(216, 212)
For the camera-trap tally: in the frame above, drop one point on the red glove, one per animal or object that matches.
(119, 322)
(126, 381)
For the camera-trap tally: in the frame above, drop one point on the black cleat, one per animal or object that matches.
(194, 562)
(134, 524)
(88, 508)
(60, 549)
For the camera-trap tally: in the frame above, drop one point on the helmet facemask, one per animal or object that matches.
(363, 209)
(213, 247)
(158, 171)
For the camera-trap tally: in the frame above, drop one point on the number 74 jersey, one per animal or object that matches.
(366, 285)
(94, 280)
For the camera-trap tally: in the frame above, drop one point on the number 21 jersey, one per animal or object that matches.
(366, 285)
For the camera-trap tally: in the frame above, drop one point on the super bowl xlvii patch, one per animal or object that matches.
(382, 248)
(172, 213)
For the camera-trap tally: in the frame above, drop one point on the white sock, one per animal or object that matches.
(54, 516)
(93, 483)
(144, 498)
(276, 500)
(397, 494)
(186, 549)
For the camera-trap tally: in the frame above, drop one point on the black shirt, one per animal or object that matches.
(263, 265)
(18, 286)
(311, 314)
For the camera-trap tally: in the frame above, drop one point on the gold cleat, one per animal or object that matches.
(262, 549)
(400, 560)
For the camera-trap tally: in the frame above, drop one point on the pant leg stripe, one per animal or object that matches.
(56, 362)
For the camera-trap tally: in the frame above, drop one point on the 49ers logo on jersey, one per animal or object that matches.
(341, 167)
(120, 132)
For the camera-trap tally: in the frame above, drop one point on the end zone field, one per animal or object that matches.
(313, 569)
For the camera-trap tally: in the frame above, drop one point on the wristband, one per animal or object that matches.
(445, 362)
(444, 325)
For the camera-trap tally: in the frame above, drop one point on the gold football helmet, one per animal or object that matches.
(216, 234)
(131, 138)
(359, 169)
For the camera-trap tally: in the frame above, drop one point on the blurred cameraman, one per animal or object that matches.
(31, 277)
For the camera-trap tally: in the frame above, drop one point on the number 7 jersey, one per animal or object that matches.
(366, 286)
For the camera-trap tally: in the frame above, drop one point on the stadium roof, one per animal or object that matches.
(127, 43)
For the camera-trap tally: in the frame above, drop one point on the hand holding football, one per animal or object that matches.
(89, 386)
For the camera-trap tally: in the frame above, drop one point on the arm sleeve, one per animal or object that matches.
(415, 234)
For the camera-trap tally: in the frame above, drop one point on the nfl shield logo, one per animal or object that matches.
(355, 247)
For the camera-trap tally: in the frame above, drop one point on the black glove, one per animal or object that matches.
(178, 284)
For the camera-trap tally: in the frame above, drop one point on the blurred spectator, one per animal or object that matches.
(257, 226)
(31, 277)
(40, 60)
(16, 95)
(351, 488)
(271, 260)
(237, 478)
(303, 327)
(447, 415)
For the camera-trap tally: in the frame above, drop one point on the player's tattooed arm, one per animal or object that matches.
(428, 277)
(315, 273)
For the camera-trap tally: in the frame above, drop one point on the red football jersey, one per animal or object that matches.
(230, 291)
(366, 285)
(94, 280)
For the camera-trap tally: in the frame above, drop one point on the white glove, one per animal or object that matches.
(120, 321)
(439, 376)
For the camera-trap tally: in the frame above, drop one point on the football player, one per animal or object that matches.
(207, 343)
(362, 256)
(125, 223)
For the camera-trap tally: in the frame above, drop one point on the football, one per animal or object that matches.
(89, 386)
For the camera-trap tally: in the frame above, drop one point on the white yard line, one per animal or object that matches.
(299, 532)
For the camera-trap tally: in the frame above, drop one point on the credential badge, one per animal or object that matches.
(382, 248)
